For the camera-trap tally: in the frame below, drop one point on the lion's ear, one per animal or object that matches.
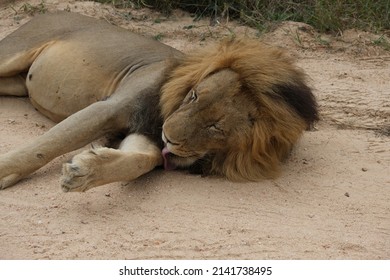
(184, 77)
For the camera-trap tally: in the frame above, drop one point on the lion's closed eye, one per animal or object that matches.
(215, 129)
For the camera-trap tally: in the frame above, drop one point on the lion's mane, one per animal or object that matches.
(286, 105)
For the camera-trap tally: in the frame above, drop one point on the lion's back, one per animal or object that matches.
(59, 50)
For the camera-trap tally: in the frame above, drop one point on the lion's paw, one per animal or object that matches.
(82, 172)
(11, 171)
(9, 180)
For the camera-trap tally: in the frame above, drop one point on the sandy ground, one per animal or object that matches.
(331, 202)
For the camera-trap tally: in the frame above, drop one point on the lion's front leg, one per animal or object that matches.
(136, 156)
(73, 133)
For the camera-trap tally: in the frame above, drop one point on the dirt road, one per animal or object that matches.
(332, 200)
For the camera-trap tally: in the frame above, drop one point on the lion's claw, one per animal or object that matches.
(74, 178)
(80, 174)
(9, 180)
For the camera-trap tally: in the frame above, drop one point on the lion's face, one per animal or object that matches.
(208, 120)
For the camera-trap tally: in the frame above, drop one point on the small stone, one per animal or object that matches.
(364, 169)
(347, 194)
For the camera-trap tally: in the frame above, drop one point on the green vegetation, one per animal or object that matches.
(31, 9)
(324, 15)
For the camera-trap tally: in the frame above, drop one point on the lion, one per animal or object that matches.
(235, 109)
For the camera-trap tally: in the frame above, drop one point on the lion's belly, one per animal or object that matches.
(64, 80)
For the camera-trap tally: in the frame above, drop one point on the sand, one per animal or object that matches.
(330, 202)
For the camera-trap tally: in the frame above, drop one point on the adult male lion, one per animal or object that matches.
(235, 109)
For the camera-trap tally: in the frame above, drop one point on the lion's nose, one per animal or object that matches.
(167, 140)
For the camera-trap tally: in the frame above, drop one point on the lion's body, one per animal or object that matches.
(94, 78)
(63, 49)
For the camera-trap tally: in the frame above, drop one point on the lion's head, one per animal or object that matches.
(238, 108)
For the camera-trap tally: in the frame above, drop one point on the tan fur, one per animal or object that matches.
(87, 75)
(236, 109)
(257, 153)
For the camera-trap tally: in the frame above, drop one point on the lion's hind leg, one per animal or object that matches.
(13, 86)
(136, 156)
(14, 67)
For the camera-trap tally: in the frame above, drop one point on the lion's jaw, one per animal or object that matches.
(205, 123)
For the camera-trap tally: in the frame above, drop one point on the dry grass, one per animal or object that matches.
(324, 15)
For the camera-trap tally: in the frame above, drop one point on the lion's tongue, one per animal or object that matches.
(166, 154)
